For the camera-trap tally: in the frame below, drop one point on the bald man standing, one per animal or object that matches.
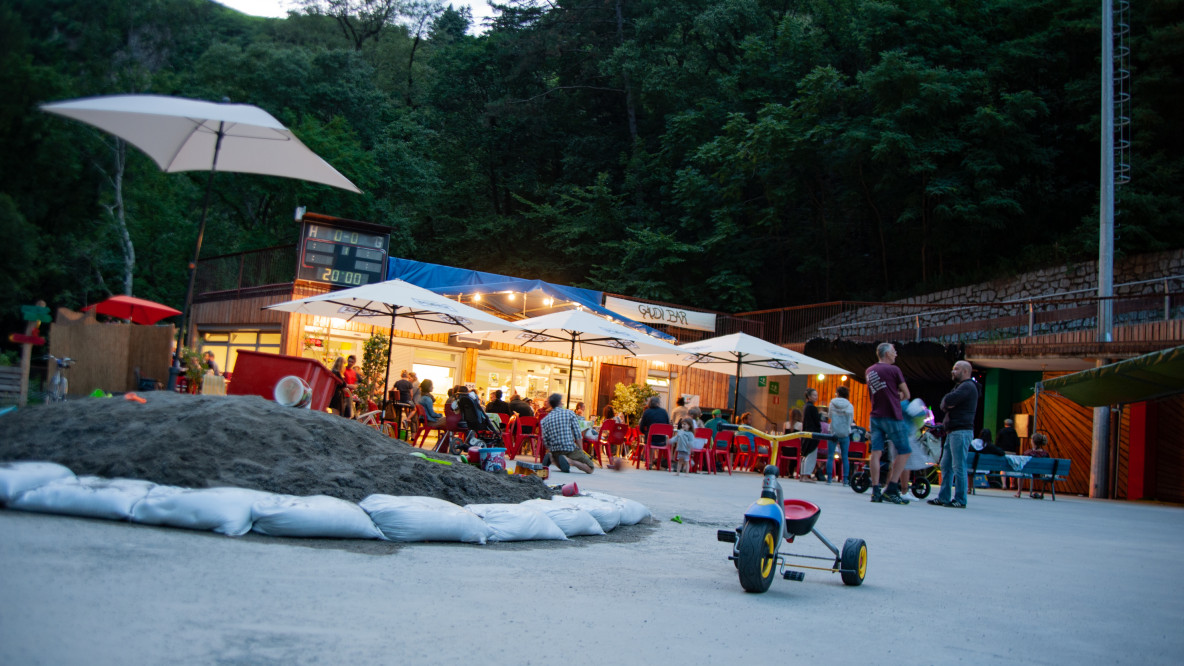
(960, 405)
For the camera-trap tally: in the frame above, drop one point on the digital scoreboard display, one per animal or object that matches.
(336, 254)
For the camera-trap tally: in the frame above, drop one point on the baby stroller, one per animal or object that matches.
(926, 455)
(475, 428)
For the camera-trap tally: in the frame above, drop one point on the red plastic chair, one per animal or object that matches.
(504, 421)
(761, 453)
(612, 435)
(524, 432)
(790, 450)
(658, 430)
(821, 458)
(634, 443)
(745, 450)
(723, 447)
(858, 456)
(421, 437)
(701, 458)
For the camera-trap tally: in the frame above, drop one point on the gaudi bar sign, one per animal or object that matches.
(649, 313)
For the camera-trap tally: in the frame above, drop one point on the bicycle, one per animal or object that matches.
(59, 386)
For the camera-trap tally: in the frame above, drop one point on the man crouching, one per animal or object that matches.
(561, 435)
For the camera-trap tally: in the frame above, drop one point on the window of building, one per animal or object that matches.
(226, 344)
(440, 367)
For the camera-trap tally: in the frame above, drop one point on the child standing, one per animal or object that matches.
(683, 441)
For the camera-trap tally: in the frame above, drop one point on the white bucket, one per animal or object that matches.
(292, 391)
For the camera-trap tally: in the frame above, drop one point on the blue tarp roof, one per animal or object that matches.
(452, 280)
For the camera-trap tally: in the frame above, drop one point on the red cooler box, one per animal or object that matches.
(256, 373)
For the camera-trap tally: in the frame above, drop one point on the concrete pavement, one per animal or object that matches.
(1006, 580)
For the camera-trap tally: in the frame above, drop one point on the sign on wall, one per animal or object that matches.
(649, 313)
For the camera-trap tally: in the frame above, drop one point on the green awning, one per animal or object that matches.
(1134, 380)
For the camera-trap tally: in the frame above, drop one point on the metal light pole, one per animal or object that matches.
(1098, 486)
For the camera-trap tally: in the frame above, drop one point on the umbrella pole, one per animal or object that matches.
(571, 366)
(201, 230)
(386, 380)
(736, 394)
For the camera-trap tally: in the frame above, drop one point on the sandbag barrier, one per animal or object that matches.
(47, 487)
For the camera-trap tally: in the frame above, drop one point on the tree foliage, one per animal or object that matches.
(729, 154)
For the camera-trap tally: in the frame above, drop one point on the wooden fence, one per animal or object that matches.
(107, 354)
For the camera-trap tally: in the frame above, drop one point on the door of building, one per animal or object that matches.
(610, 376)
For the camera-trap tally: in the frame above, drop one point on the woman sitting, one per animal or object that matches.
(433, 420)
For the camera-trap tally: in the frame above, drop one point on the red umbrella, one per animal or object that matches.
(138, 310)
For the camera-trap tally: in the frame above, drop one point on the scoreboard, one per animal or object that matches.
(341, 252)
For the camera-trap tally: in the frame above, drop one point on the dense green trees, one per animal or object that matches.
(730, 154)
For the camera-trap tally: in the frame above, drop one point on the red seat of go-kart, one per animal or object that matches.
(800, 516)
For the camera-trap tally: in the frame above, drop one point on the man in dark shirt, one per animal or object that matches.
(497, 405)
(1008, 439)
(520, 406)
(404, 388)
(960, 405)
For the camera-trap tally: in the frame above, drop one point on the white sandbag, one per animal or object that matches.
(515, 522)
(90, 496)
(632, 511)
(424, 519)
(605, 513)
(223, 510)
(315, 516)
(570, 518)
(19, 477)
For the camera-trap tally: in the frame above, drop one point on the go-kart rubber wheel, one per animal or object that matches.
(861, 482)
(921, 487)
(757, 556)
(853, 562)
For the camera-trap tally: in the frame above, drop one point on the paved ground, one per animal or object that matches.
(1005, 581)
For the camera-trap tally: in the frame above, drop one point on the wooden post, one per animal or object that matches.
(34, 316)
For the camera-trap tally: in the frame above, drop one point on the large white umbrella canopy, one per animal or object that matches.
(182, 134)
(582, 334)
(742, 355)
(399, 305)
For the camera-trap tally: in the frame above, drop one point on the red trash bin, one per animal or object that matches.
(256, 373)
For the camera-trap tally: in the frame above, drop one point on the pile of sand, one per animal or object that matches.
(243, 441)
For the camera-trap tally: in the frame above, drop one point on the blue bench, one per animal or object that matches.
(1045, 469)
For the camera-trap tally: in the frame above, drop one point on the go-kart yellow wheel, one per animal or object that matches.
(757, 556)
(853, 563)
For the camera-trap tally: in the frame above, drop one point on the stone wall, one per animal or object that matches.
(1062, 280)
(1060, 299)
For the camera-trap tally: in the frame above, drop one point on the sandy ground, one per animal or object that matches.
(1004, 581)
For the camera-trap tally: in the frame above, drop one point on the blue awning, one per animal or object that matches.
(499, 292)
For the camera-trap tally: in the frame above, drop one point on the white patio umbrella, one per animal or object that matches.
(401, 306)
(182, 134)
(742, 355)
(583, 334)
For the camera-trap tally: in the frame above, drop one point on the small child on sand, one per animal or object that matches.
(683, 441)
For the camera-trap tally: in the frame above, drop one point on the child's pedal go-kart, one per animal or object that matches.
(757, 542)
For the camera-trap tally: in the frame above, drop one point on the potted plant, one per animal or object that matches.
(374, 352)
(631, 399)
(194, 368)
